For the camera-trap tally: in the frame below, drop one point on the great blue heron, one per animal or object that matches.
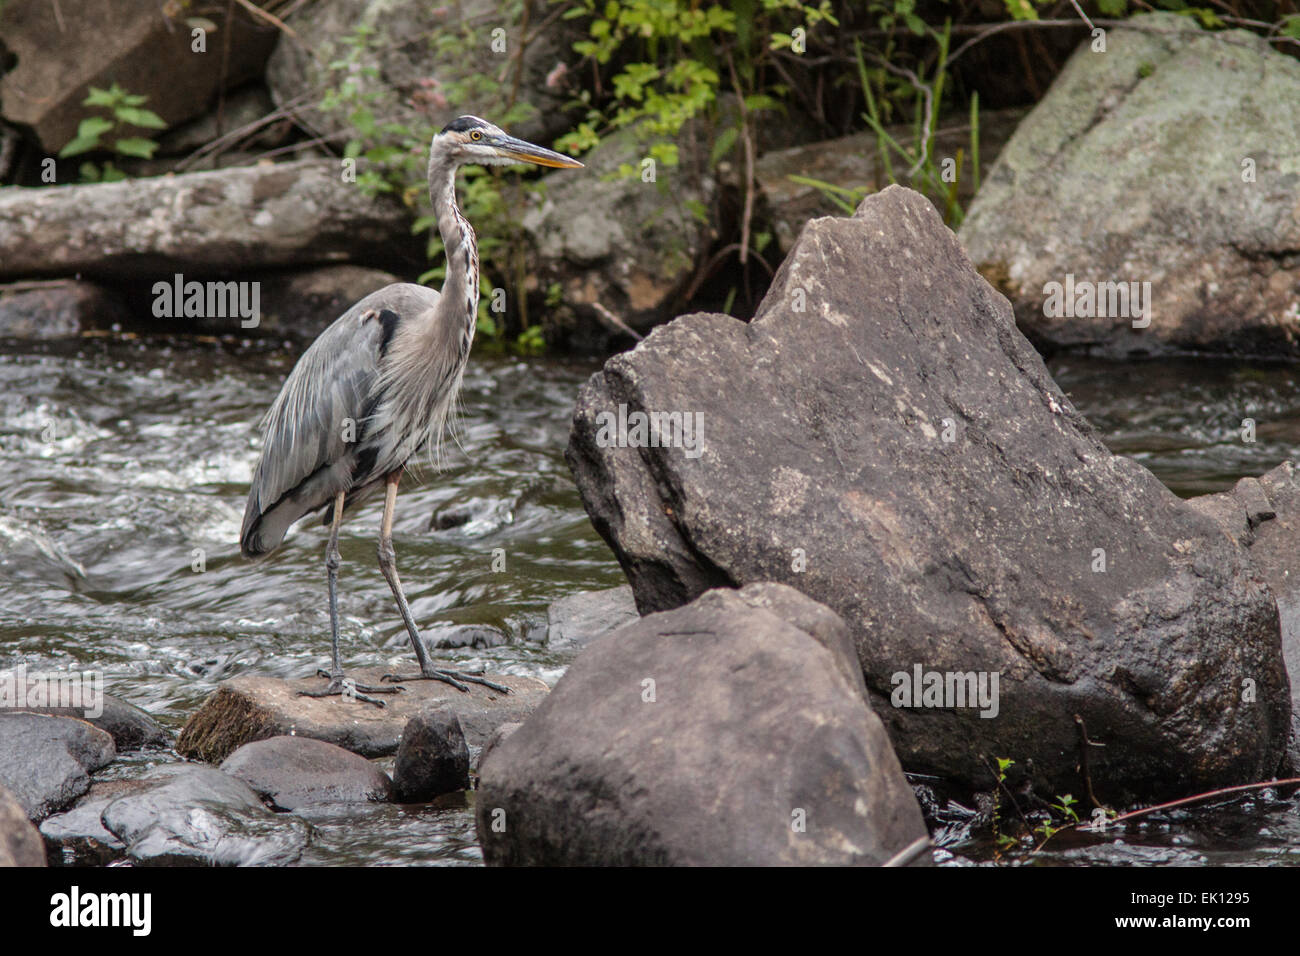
(374, 389)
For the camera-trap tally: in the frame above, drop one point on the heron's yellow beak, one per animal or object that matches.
(522, 152)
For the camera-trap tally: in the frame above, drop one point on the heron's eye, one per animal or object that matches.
(476, 136)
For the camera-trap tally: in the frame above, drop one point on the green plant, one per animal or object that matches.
(1064, 806)
(669, 58)
(884, 89)
(1003, 841)
(122, 110)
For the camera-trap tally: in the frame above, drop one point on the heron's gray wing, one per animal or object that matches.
(313, 427)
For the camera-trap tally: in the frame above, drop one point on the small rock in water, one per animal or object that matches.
(433, 758)
(451, 517)
(47, 761)
(292, 772)
(574, 621)
(248, 708)
(130, 727)
(79, 833)
(477, 636)
(20, 843)
(192, 814)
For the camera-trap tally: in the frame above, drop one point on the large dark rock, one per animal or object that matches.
(430, 64)
(189, 815)
(223, 224)
(881, 437)
(291, 772)
(20, 843)
(753, 745)
(1263, 515)
(130, 727)
(433, 758)
(1168, 159)
(620, 250)
(249, 708)
(47, 761)
(60, 50)
(56, 309)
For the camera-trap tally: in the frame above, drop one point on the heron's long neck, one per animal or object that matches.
(461, 284)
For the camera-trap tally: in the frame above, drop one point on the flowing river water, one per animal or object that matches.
(124, 464)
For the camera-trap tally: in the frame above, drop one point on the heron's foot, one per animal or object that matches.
(341, 687)
(454, 678)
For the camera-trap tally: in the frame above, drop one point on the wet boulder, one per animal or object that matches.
(189, 815)
(248, 708)
(130, 727)
(292, 772)
(575, 621)
(46, 761)
(734, 731)
(433, 757)
(884, 439)
(20, 842)
(78, 834)
(1167, 160)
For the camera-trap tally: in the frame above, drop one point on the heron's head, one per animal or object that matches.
(468, 139)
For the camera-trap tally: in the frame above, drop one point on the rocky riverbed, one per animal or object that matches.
(856, 577)
(97, 572)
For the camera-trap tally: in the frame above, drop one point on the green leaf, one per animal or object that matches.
(723, 144)
(136, 146)
(136, 116)
(78, 145)
(100, 97)
(1021, 9)
(92, 127)
(1291, 26)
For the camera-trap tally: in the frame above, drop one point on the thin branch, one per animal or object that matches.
(269, 18)
(1208, 795)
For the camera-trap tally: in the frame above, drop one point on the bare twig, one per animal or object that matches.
(1084, 744)
(268, 17)
(1208, 795)
(748, 213)
(909, 853)
(614, 322)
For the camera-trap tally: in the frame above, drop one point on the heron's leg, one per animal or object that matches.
(337, 685)
(388, 564)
